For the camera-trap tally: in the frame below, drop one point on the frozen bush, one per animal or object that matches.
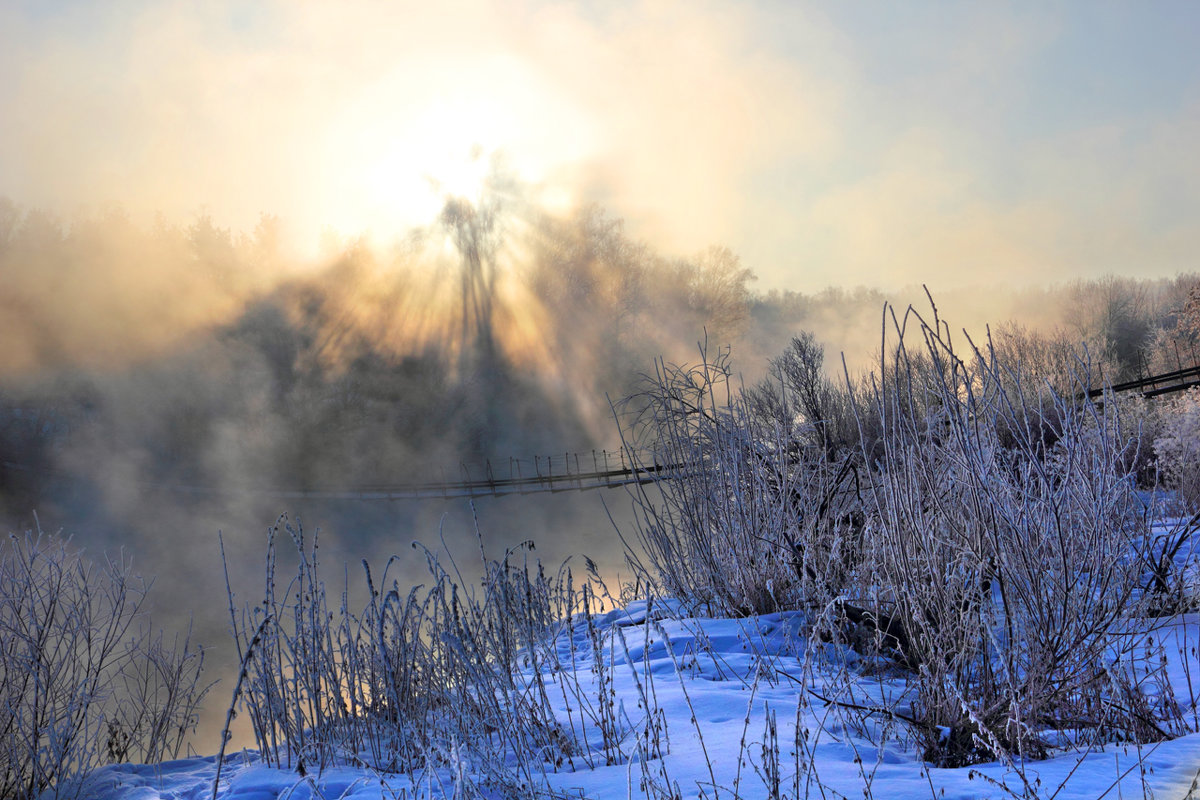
(1007, 535)
(83, 679)
(1178, 448)
(749, 516)
(446, 677)
(987, 536)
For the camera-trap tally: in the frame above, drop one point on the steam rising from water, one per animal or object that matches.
(154, 377)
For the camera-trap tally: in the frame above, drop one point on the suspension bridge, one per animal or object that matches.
(569, 472)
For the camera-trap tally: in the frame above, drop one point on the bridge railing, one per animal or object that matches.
(1155, 385)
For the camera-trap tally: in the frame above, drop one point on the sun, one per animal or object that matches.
(398, 171)
(465, 178)
(446, 151)
(397, 152)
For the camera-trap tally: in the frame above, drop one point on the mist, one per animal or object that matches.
(292, 248)
(163, 385)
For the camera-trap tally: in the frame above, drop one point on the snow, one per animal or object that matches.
(718, 682)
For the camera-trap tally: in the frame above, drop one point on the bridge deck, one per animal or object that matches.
(549, 474)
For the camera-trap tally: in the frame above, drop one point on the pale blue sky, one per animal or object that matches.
(839, 142)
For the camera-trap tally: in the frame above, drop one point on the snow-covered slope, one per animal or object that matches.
(728, 708)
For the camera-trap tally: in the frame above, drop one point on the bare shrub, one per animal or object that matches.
(83, 678)
(748, 518)
(1014, 567)
(800, 397)
(987, 536)
(449, 677)
(1178, 448)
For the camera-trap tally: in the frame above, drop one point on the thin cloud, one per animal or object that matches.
(824, 144)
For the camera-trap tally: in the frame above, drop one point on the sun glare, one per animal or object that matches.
(394, 154)
(400, 168)
(465, 178)
(401, 188)
(446, 152)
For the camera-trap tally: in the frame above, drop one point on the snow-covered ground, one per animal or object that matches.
(719, 684)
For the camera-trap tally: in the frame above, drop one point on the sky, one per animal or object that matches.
(827, 143)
